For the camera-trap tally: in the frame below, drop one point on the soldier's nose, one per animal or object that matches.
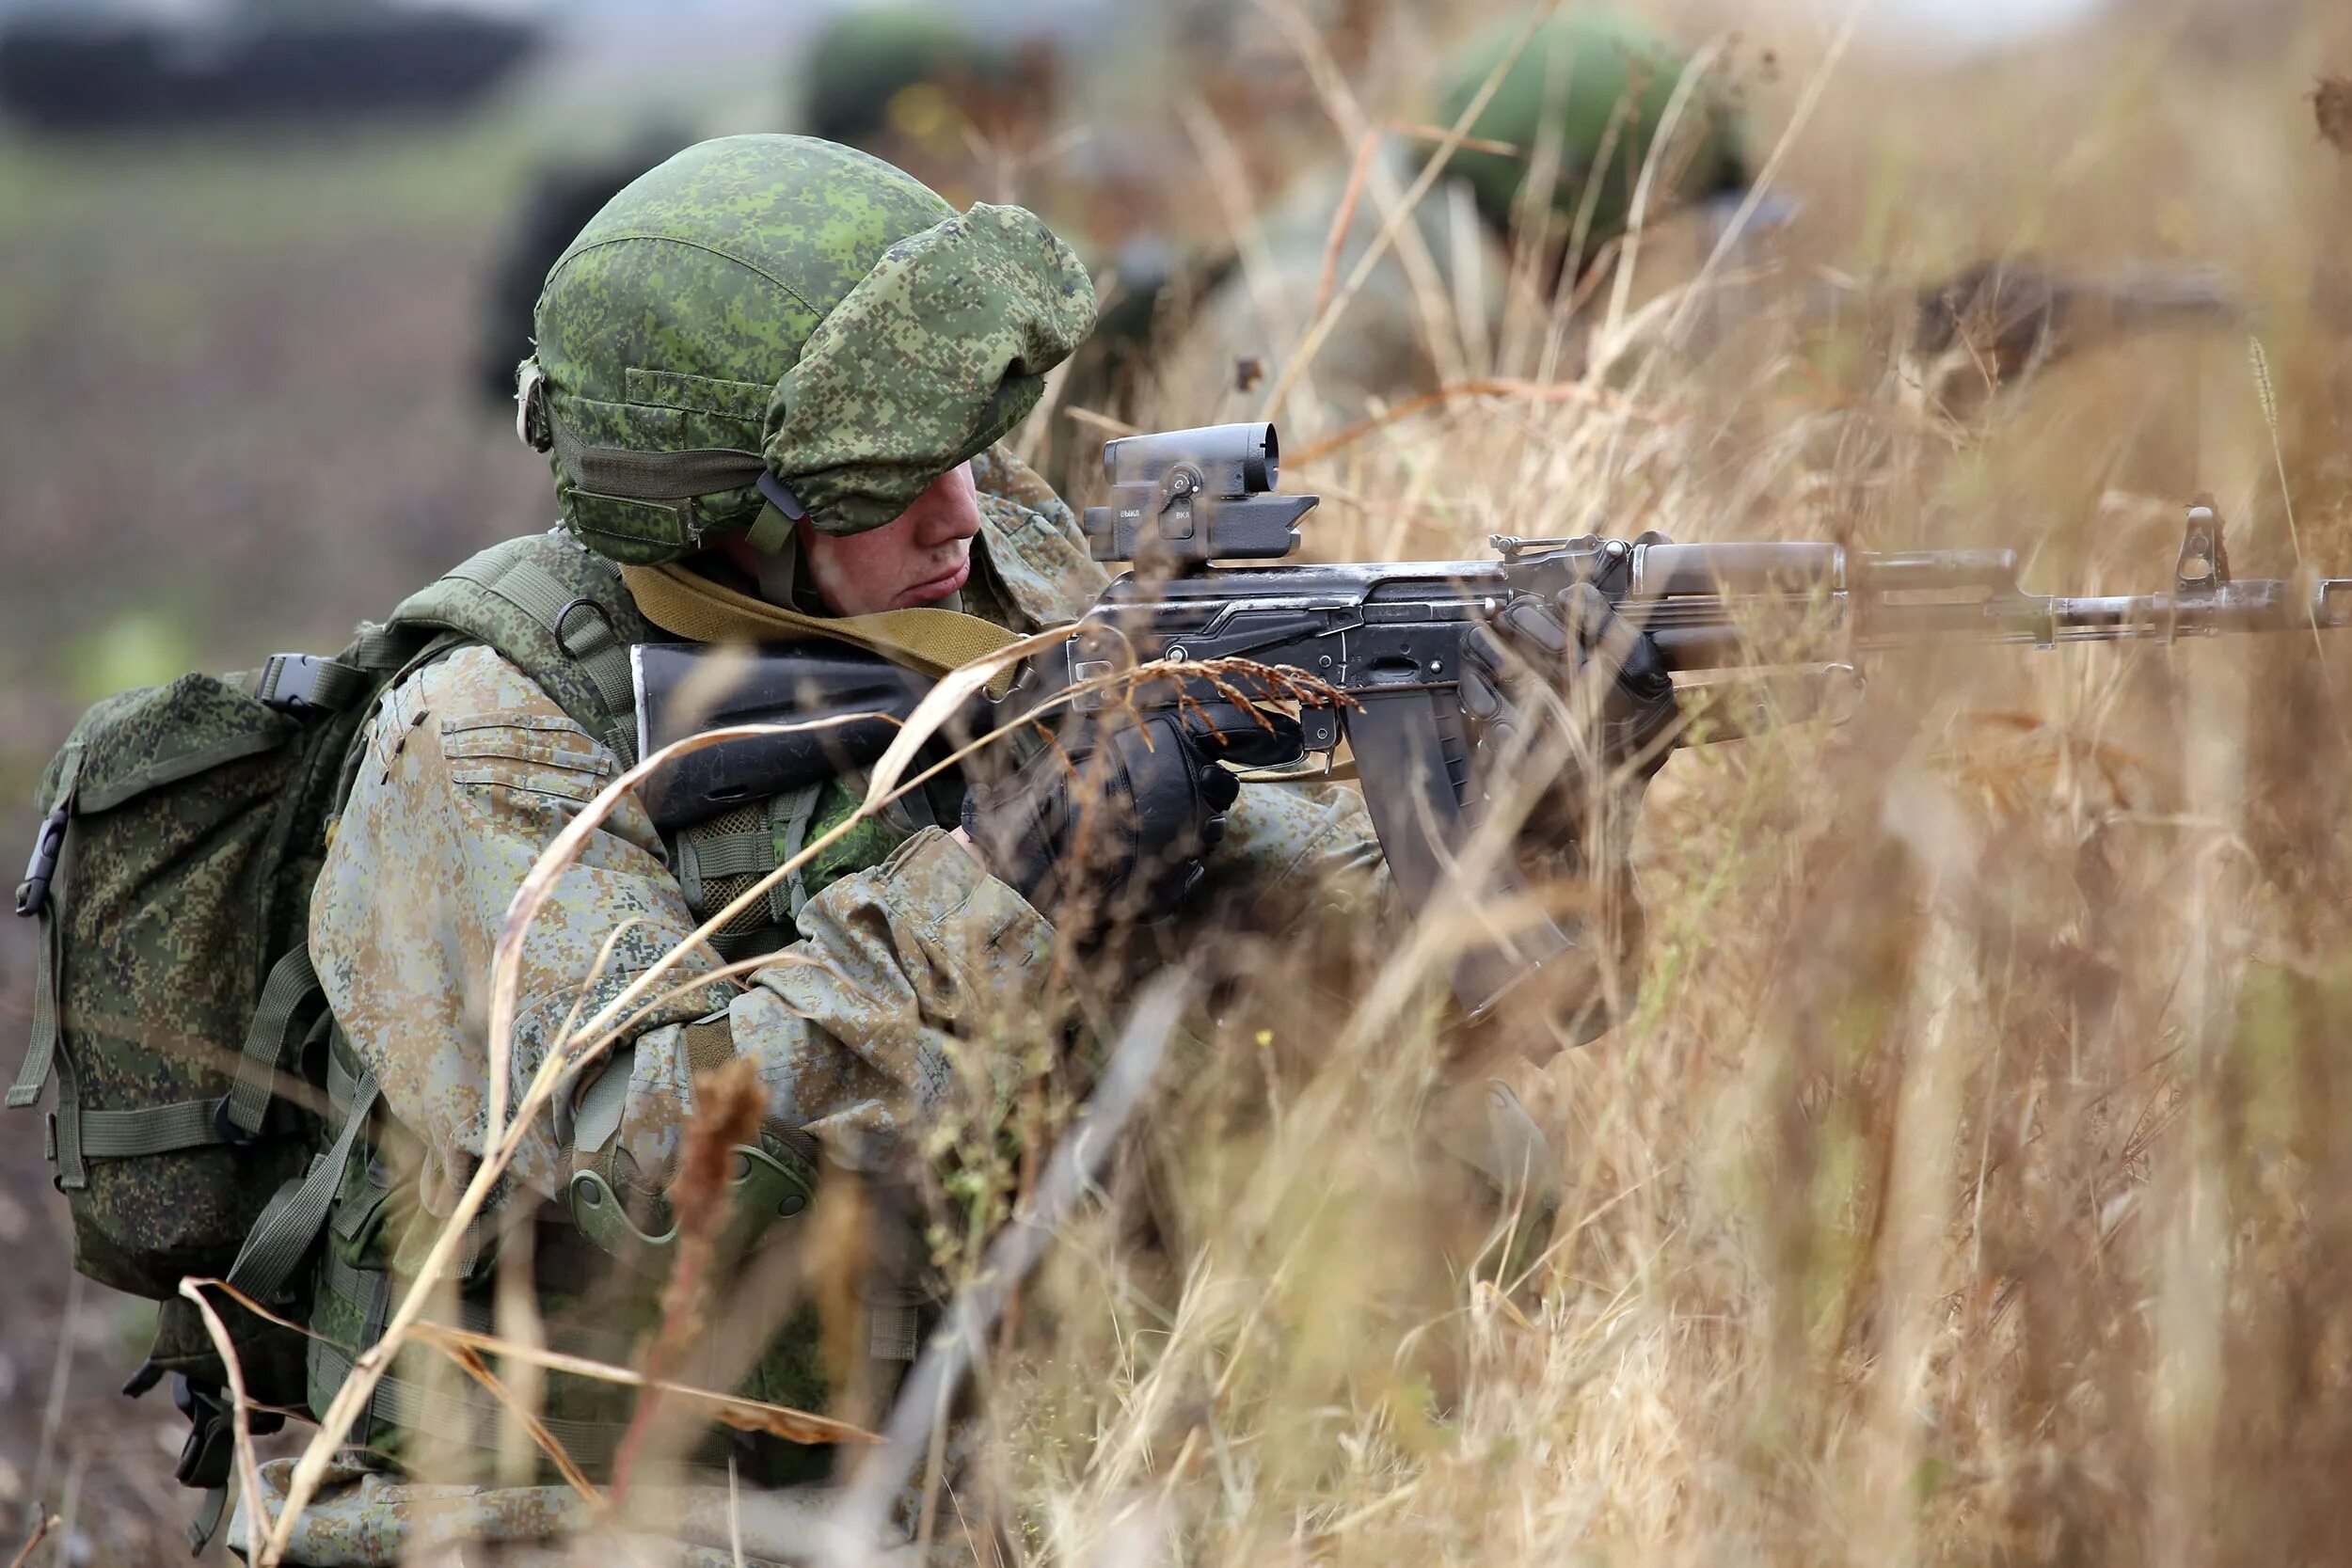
(949, 511)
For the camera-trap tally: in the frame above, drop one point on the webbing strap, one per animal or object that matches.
(40, 1052)
(295, 1216)
(456, 1416)
(301, 682)
(599, 652)
(797, 820)
(599, 1114)
(344, 1074)
(474, 1422)
(933, 642)
(589, 638)
(519, 583)
(200, 1531)
(379, 649)
(369, 1293)
(734, 852)
(274, 1033)
(654, 476)
(42, 1049)
(150, 1129)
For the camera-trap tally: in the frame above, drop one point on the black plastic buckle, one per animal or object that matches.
(48, 844)
(210, 1453)
(206, 1457)
(779, 495)
(290, 683)
(228, 1131)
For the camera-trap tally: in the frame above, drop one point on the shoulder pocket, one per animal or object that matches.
(536, 754)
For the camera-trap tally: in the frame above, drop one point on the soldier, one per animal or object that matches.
(1594, 89)
(764, 328)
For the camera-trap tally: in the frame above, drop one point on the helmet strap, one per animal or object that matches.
(776, 525)
(778, 573)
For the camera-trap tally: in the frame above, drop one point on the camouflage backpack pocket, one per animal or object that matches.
(158, 880)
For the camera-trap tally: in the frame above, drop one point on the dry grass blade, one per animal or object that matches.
(472, 1366)
(776, 1420)
(369, 1369)
(1808, 106)
(1539, 391)
(1662, 138)
(41, 1527)
(558, 857)
(942, 701)
(1342, 220)
(1321, 328)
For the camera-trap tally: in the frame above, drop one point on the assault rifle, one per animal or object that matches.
(1386, 638)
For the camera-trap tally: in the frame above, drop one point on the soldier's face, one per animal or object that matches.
(918, 558)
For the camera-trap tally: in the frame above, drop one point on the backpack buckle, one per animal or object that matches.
(206, 1458)
(48, 844)
(290, 683)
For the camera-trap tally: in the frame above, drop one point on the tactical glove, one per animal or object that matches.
(1124, 807)
(1570, 659)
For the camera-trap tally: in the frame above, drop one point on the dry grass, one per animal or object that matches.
(1967, 1187)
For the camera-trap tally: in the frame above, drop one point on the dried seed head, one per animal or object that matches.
(2332, 106)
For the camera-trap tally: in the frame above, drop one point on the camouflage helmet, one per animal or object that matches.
(1572, 77)
(765, 327)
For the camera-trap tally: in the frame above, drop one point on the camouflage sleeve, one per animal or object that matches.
(468, 772)
(1303, 841)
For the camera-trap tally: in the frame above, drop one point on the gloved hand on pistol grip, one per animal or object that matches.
(1574, 660)
(1126, 803)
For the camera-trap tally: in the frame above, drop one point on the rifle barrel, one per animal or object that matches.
(1715, 631)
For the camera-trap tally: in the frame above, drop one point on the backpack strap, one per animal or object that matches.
(273, 1039)
(557, 612)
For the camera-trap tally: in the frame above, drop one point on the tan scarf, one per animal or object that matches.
(686, 604)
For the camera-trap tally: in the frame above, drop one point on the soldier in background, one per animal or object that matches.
(1582, 105)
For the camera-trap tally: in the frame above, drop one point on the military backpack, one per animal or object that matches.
(196, 1131)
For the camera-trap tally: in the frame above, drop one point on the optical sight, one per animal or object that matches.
(1184, 497)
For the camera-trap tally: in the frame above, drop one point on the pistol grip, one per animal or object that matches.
(1413, 758)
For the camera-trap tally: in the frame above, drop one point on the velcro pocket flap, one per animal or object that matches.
(633, 532)
(701, 394)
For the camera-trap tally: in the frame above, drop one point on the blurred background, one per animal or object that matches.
(266, 267)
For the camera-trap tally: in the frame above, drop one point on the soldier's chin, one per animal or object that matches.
(936, 589)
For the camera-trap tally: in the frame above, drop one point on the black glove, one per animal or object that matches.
(1568, 644)
(1124, 807)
